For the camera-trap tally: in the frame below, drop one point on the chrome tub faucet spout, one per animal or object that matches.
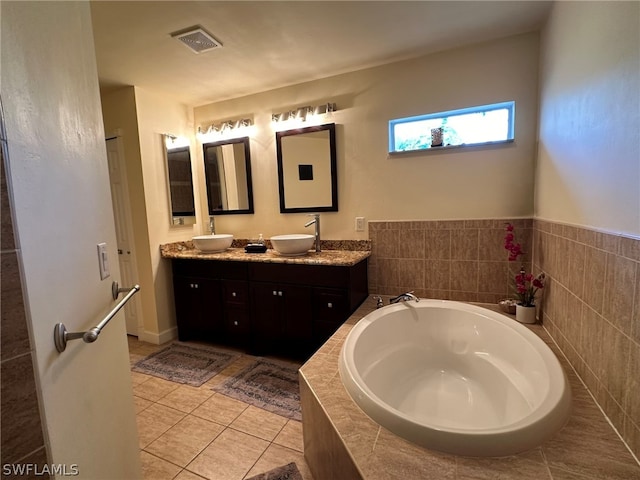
(212, 224)
(404, 297)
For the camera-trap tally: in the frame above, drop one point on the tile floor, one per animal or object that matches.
(189, 433)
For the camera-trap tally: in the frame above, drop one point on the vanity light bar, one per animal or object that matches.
(302, 113)
(225, 126)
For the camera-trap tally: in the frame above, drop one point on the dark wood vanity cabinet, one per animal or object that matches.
(198, 300)
(211, 301)
(268, 308)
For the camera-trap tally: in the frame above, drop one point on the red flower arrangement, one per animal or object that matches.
(526, 284)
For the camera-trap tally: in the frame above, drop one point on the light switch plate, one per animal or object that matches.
(103, 261)
(359, 224)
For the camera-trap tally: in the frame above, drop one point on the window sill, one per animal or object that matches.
(448, 148)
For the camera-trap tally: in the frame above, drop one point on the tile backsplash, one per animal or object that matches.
(447, 259)
(590, 304)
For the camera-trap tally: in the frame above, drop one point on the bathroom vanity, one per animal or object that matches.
(266, 303)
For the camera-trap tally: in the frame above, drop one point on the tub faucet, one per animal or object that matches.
(316, 221)
(212, 224)
(404, 297)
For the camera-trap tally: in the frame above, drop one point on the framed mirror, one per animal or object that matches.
(227, 169)
(180, 181)
(307, 172)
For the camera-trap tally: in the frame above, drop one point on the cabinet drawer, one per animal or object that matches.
(210, 269)
(236, 292)
(330, 305)
(237, 322)
(310, 275)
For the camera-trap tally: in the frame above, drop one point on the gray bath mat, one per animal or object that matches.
(186, 363)
(286, 472)
(266, 384)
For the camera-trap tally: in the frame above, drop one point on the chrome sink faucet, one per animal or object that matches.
(316, 221)
(212, 224)
(404, 297)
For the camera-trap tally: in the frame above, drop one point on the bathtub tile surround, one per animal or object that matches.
(337, 432)
(446, 259)
(591, 307)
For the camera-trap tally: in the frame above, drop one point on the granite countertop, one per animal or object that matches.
(331, 257)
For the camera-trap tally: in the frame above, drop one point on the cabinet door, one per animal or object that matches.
(266, 311)
(296, 313)
(330, 310)
(198, 308)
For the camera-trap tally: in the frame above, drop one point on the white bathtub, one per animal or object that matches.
(455, 377)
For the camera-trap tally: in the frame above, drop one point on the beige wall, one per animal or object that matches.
(466, 183)
(589, 155)
(157, 115)
(59, 182)
(141, 118)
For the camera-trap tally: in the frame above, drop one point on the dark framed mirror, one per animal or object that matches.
(180, 182)
(307, 169)
(227, 169)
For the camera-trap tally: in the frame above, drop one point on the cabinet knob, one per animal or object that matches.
(195, 285)
(233, 294)
(280, 293)
(275, 293)
(235, 322)
(329, 305)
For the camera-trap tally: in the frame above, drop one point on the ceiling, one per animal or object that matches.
(272, 44)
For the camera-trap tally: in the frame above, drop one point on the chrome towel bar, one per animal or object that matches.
(61, 336)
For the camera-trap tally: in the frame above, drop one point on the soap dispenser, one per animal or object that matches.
(257, 246)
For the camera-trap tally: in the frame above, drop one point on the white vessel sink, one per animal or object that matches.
(292, 245)
(218, 242)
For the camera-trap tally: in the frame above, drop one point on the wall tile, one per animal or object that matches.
(437, 244)
(438, 274)
(631, 401)
(464, 275)
(491, 244)
(14, 335)
(387, 243)
(411, 273)
(601, 342)
(20, 418)
(630, 248)
(618, 291)
(493, 277)
(575, 277)
(464, 244)
(6, 226)
(594, 275)
(412, 244)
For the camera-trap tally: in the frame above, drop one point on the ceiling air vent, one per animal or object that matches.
(197, 40)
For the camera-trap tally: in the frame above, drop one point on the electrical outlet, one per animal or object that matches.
(359, 224)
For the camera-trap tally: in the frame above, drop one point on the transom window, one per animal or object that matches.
(467, 126)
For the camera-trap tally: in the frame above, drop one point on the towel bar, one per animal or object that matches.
(61, 335)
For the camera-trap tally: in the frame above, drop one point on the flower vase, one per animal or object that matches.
(526, 314)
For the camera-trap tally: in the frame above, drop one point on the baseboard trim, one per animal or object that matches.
(159, 338)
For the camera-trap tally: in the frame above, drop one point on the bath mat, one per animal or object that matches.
(266, 384)
(186, 363)
(286, 472)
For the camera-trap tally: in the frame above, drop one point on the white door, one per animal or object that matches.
(124, 230)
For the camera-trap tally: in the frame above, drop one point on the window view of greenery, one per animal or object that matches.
(469, 126)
